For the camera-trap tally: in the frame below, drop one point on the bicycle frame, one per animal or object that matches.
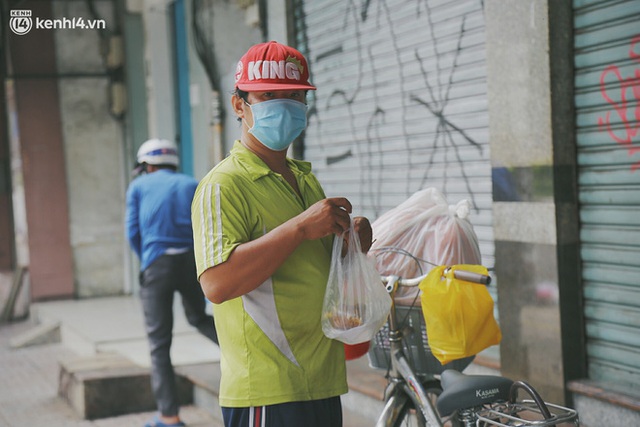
(401, 374)
(458, 397)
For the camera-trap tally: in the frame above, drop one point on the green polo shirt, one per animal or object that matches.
(271, 341)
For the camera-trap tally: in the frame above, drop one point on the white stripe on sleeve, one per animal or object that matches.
(219, 223)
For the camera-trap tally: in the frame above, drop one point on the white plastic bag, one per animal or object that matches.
(426, 227)
(356, 303)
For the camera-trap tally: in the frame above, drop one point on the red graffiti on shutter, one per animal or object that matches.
(626, 105)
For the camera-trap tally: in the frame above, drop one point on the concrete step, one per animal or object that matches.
(90, 329)
(361, 405)
(108, 385)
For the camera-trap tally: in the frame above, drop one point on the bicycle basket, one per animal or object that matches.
(415, 344)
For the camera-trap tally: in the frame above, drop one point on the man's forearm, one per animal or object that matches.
(251, 263)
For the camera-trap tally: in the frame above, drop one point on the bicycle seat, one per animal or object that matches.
(465, 391)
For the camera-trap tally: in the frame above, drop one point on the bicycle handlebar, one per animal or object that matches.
(467, 276)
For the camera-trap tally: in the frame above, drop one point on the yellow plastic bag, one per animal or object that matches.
(458, 314)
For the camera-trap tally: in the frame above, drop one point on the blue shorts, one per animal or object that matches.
(312, 413)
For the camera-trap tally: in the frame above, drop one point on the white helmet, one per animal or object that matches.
(158, 152)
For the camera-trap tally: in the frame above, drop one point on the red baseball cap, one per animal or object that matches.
(272, 66)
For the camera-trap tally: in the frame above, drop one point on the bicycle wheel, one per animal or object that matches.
(411, 417)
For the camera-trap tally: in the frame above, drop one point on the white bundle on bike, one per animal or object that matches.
(423, 227)
(356, 304)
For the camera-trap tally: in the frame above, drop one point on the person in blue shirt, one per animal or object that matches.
(158, 222)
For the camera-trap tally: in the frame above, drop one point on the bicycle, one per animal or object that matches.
(421, 392)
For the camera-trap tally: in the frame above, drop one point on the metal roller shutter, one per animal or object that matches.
(607, 82)
(401, 103)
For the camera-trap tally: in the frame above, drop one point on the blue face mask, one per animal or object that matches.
(277, 122)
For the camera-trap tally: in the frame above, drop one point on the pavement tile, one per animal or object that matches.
(29, 389)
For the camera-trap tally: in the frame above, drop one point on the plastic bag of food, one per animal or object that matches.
(423, 227)
(356, 303)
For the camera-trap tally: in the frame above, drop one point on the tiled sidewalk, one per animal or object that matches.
(29, 376)
(29, 389)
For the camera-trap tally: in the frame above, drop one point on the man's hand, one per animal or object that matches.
(332, 216)
(362, 226)
(328, 216)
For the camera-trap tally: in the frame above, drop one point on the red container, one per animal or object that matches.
(355, 351)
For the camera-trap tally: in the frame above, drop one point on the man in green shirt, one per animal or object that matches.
(263, 233)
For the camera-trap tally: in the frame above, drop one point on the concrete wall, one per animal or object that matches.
(39, 129)
(233, 30)
(159, 69)
(521, 138)
(93, 142)
(229, 31)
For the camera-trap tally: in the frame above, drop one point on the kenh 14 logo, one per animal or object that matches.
(20, 22)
